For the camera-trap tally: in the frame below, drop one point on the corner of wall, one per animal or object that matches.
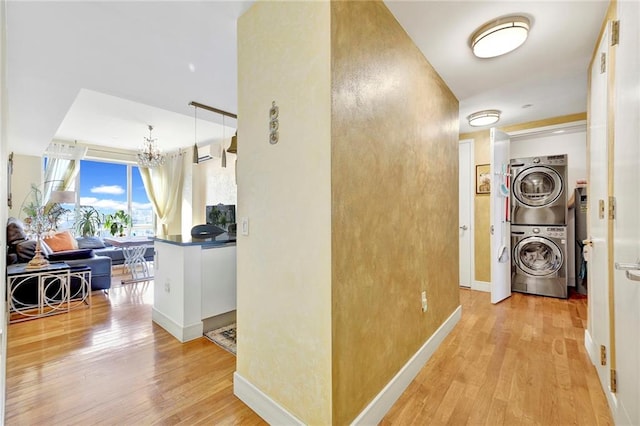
(284, 263)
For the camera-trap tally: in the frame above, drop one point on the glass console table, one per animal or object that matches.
(55, 289)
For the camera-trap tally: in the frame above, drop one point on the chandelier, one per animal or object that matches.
(149, 154)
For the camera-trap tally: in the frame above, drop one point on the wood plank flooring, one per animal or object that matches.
(112, 365)
(520, 362)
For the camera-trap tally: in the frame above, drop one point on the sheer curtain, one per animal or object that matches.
(59, 175)
(163, 186)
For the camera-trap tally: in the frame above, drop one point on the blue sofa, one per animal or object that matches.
(20, 249)
(101, 248)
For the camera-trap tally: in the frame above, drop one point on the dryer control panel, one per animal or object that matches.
(556, 231)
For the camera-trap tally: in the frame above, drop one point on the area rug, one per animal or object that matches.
(225, 337)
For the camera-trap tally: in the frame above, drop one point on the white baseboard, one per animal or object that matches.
(618, 410)
(272, 412)
(382, 403)
(589, 346)
(183, 334)
(481, 286)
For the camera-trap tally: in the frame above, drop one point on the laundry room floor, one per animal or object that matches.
(520, 361)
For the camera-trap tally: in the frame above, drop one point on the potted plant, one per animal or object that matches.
(88, 221)
(35, 208)
(117, 223)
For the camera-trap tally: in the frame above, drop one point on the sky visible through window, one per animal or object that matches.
(104, 186)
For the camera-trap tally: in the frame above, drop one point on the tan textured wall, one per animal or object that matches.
(27, 171)
(284, 264)
(394, 202)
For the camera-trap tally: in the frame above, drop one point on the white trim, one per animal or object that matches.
(183, 334)
(569, 127)
(589, 346)
(618, 411)
(376, 410)
(272, 412)
(481, 286)
(472, 206)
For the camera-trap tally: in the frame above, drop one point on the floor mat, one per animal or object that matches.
(225, 337)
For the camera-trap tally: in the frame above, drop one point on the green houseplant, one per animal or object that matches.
(34, 207)
(88, 221)
(117, 223)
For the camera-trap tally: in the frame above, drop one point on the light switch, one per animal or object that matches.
(244, 225)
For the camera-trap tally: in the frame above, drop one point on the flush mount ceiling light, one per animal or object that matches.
(500, 36)
(484, 118)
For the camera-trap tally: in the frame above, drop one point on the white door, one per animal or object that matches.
(465, 203)
(499, 227)
(626, 234)
(597, 266)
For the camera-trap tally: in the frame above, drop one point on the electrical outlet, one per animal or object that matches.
(167, 286)
(424, 301)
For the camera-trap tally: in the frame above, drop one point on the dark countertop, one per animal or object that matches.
(221, 240)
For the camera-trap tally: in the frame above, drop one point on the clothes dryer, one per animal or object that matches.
(539, 264)
(539, 193)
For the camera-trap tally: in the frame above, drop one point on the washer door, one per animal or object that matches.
(538, 256)
(537, 186)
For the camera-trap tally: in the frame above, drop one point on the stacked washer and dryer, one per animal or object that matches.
(539, 225)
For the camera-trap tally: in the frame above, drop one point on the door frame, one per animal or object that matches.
(472, 200)
(607, 320)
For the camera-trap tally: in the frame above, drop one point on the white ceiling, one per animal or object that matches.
(100, 72)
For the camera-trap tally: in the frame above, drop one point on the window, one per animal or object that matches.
(141, 211)
(109, 187)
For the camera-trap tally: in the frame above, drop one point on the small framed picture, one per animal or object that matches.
(483, 179)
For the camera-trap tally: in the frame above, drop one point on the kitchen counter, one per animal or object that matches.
(187, 240)
(195, 279)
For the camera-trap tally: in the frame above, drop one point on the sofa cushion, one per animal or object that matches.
(90, 243)
(15, 231)
(71, 255)
(25, 250)
(62, 241)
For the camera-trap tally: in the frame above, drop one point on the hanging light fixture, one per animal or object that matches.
(500, 36)
(224, 152)
(195, 159)
(233, 148)
(149, 154)
(484, 118)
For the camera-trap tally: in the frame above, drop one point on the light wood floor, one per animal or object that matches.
(521, 361)
(112, 365)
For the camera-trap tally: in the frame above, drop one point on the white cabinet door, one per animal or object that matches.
(626, 234)
(598, 262)
(500, 230)
(465, 203)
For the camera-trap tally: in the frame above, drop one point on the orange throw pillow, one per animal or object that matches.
(61, 241)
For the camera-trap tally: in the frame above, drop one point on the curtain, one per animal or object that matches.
(59, 175)
(163, 186)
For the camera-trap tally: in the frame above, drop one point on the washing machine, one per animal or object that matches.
(539, 190)
(539, 260)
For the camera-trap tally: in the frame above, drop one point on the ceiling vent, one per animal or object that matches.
(65, 150)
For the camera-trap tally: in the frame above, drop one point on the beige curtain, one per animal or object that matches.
(59, 175)
(163, 186)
